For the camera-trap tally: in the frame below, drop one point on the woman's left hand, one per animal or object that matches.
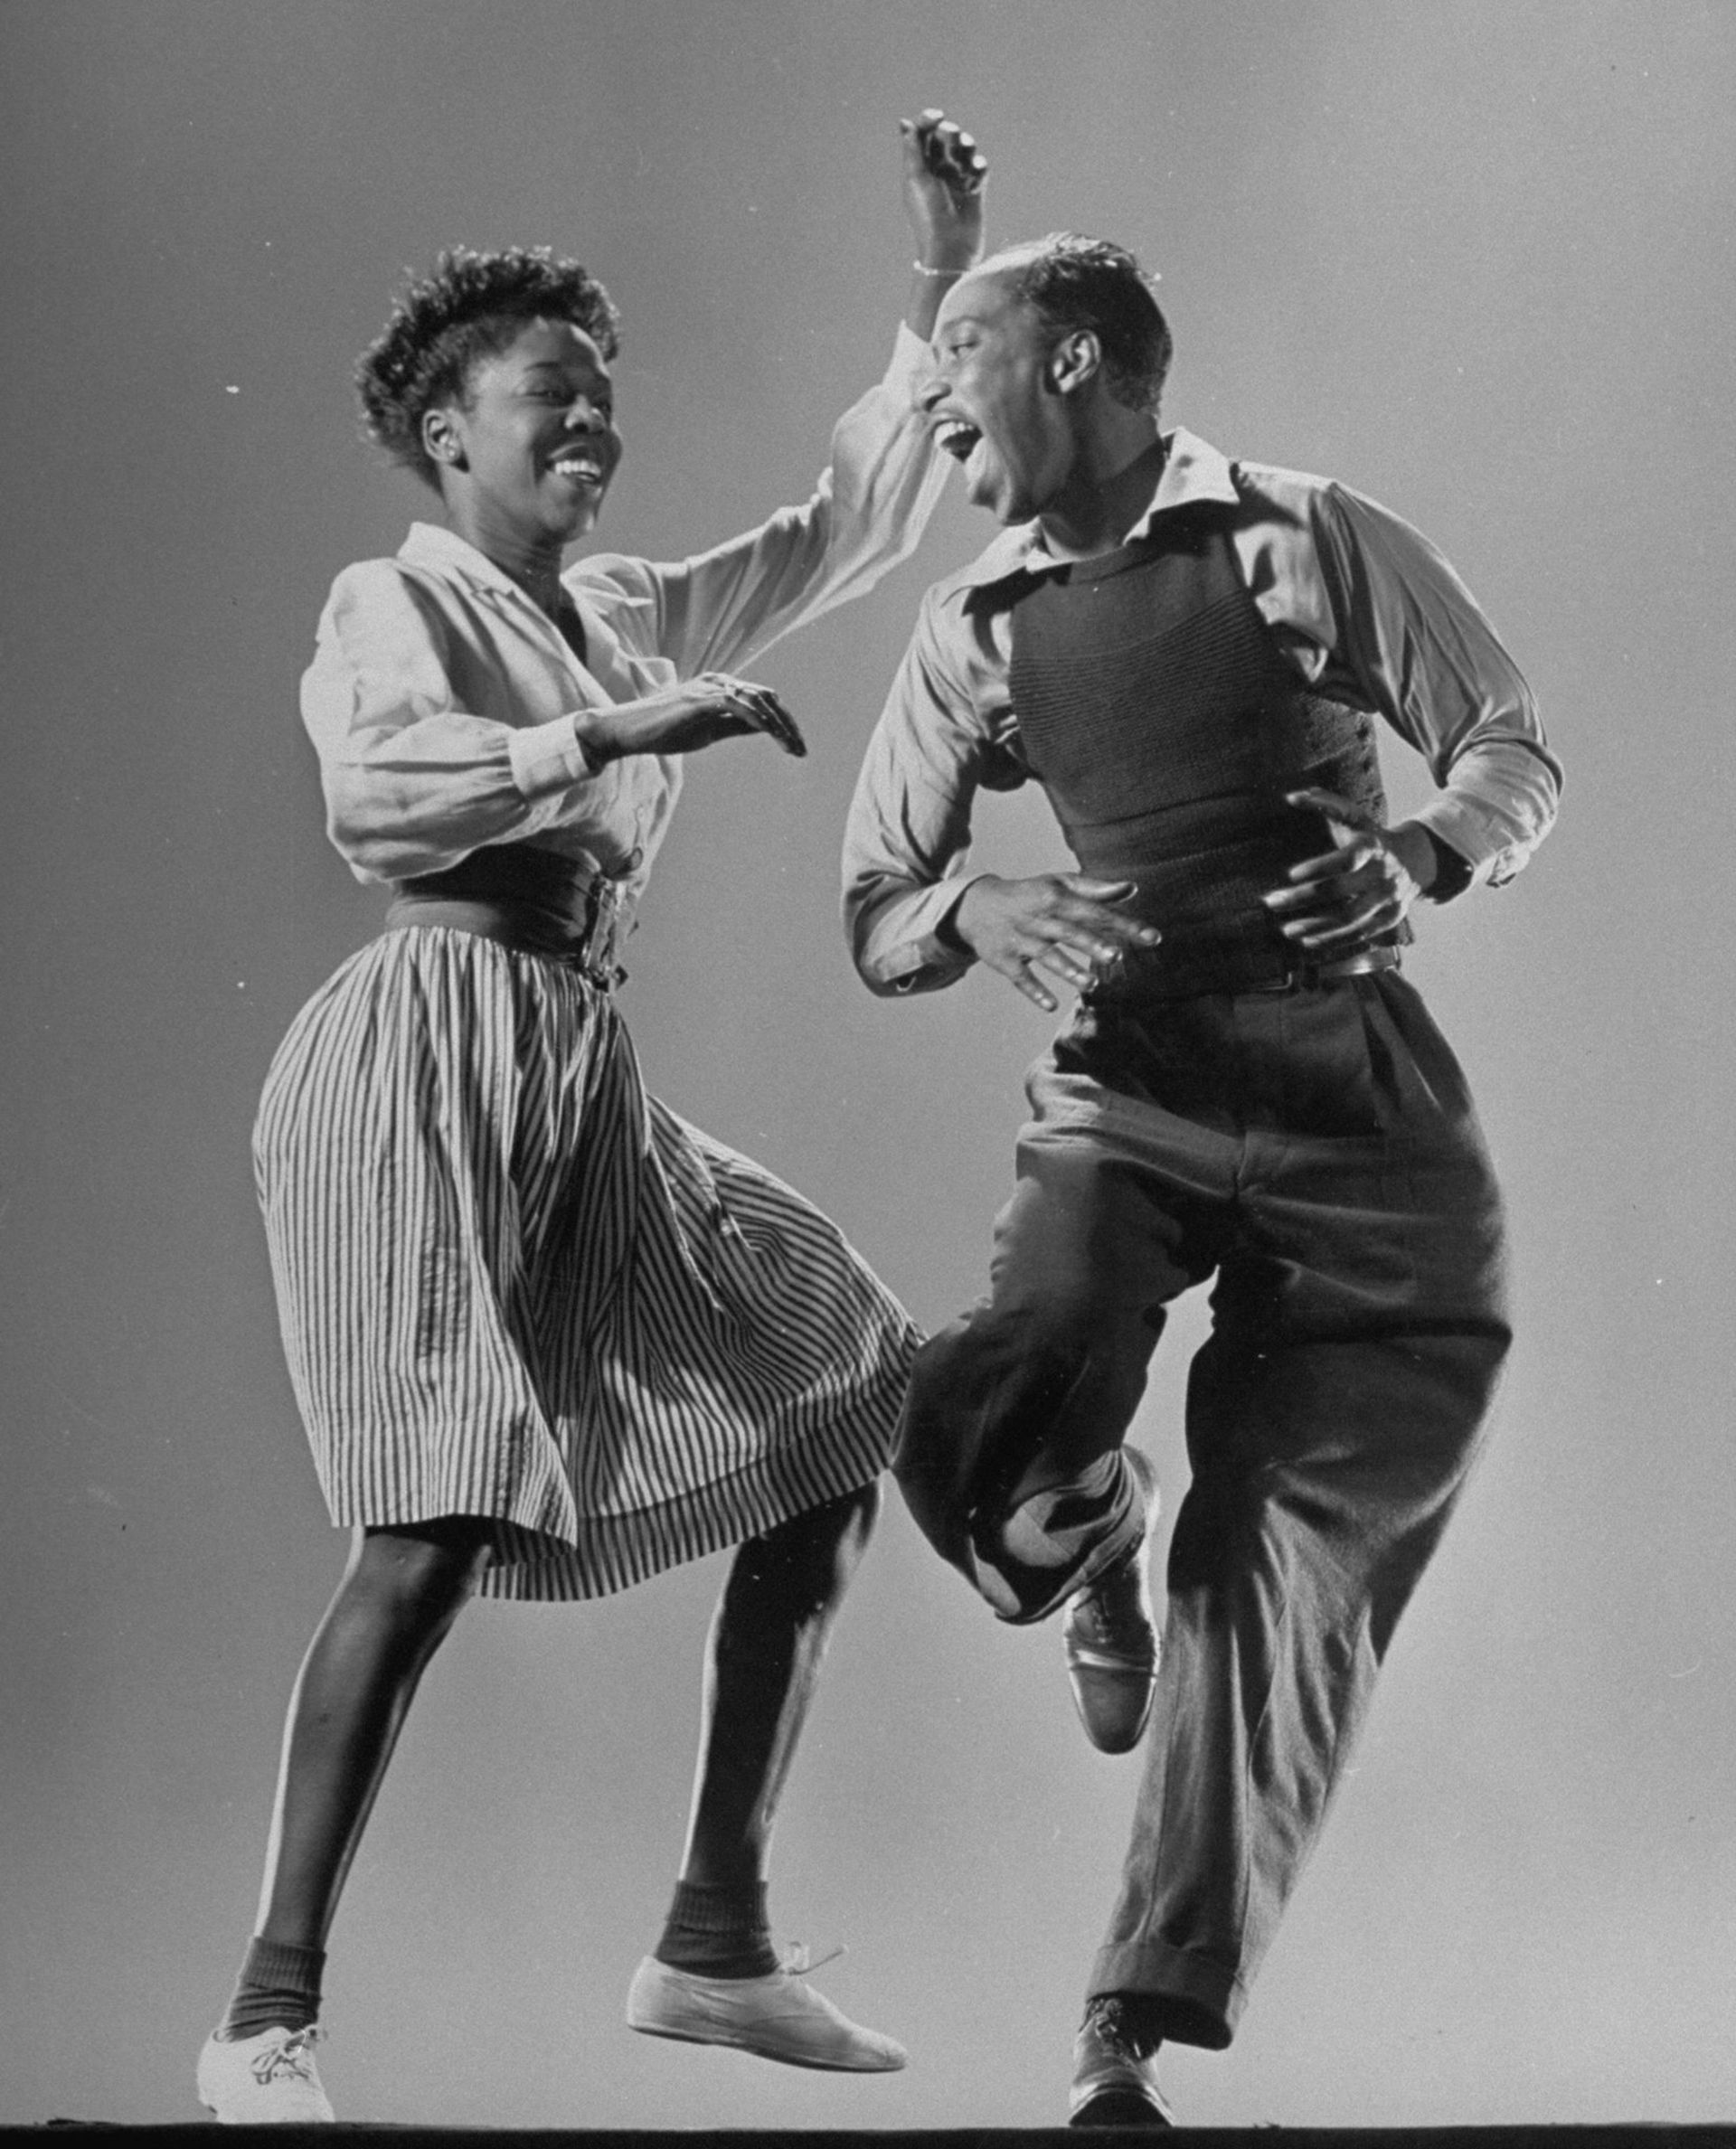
(685, 719)
(945, 174)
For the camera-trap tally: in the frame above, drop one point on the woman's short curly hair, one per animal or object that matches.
(472, 307)
(1071, 281)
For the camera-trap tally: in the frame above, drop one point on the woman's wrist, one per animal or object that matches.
(597, 740)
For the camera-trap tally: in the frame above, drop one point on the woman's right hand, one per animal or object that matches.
(684, 717)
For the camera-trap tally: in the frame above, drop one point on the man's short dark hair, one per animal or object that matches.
(1070, 282)
(472, 307)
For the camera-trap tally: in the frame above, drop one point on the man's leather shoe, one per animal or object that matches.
(1110, 1642)
(1114, 2083)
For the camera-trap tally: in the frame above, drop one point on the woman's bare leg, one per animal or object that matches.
(401, 1591)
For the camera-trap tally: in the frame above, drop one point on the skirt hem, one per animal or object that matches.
(601, 1555)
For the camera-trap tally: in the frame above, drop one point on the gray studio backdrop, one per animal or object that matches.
(1474, 259)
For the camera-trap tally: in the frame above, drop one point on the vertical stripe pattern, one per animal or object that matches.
(513, 1284)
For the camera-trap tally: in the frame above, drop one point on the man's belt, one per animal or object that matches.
(1241, 953)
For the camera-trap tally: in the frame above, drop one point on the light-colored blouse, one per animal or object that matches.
(440, 698)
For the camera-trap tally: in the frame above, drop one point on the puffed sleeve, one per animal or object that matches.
(413, 781)
(867, 513)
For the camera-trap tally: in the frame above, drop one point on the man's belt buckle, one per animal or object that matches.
(1364, 963)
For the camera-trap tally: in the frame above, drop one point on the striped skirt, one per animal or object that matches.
(513, 1284)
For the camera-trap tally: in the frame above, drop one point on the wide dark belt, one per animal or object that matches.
(1241, 953)
(536, 902)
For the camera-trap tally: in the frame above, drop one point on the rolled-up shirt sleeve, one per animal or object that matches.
(867, 513)
(412, 781)
(1410, 632)
(907, 842)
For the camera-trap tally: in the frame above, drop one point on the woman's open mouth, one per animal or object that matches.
(579, 470)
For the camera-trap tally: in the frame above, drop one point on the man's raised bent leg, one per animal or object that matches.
(1009, 1451)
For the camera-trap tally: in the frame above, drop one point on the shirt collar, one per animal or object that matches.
(1193, 470)
(430, 544)
(433, 546)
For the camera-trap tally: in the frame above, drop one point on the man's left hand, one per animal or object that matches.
(1340, 902)
(945, 174)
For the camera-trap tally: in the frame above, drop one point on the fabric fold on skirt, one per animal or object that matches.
(513, 1284)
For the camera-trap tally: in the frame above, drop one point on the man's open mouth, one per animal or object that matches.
(956, 438)
(583, 469)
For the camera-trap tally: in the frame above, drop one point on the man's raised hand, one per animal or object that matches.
(945, 174)
(1059, 922)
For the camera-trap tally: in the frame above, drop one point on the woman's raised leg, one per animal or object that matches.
(715, 1977)
(762, 1661)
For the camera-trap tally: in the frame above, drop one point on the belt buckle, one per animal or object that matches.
(1364, 963)
(596, 953)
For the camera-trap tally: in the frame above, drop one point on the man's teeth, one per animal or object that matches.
(957, 438)
(579, 466)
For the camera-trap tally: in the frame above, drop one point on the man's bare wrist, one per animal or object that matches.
(1453, 873)
(1416, 853)
(952, 932)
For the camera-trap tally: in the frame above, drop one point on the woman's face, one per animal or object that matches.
(534, 446)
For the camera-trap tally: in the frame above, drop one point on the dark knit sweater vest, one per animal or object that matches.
(1155, 707)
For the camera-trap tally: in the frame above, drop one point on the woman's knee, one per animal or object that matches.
(851, 1517)
(836, 1528)
(806, 1563)
(417, 1576)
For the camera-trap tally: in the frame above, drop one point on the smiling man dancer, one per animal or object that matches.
(1187, 652)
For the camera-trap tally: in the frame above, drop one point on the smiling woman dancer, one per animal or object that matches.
(548, 1340)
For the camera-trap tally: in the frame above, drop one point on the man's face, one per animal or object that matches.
(537, 429)
(989, 398)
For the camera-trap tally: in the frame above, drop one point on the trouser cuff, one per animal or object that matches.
(1068, 1537)
(1190, 2000)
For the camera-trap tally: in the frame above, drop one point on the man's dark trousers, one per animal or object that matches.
(1316, 1148)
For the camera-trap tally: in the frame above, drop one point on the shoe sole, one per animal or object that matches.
(1121, 2108)
(747, 2044)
